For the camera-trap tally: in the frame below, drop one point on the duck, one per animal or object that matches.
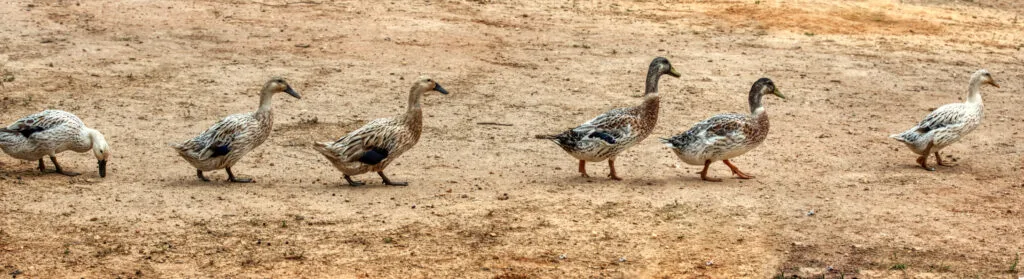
(607, 135)
(49, 132)
(373, 147)
(947, 124)
(725, 136)
(227, 141)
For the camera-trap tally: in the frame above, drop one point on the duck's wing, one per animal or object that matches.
(610, 127)
(371, 143)
(944, 117)
(711, 131)
(218, 139)
(43, 121)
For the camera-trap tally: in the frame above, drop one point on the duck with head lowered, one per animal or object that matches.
(725, 136)
(227, 141)
(378, 143)
(947, 124)
(50, 132)
(608, 134)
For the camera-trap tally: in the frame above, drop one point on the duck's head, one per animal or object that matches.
(985, 78)
(765, 86)
(100, 149)
(428, 84)
(661, 66)
(277, 84)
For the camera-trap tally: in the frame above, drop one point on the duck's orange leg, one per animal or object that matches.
(704, 173)
(611, 165)
(736, 170)
(583, 168)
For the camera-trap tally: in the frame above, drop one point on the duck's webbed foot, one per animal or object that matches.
(736, 170)
(389, 182)
(611, 167)
(232, 178)
(199, 174)
(583, 169)
(57, 167)
(704, 173)
(923, 161)
(353, 183)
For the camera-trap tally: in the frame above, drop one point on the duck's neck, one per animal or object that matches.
(755, 101)
(91, 139)
(649, 109)
(266, 97)
(414, 113)
(974, 91)
(652, 82)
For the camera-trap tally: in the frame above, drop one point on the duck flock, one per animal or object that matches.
(377, 144)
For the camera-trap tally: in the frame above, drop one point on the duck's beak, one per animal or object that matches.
(777, 92)
(672, 72)
(292, 92)
(438, 88)
(103, 168)
(993, 83)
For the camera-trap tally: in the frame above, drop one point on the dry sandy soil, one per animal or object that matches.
(151, 72)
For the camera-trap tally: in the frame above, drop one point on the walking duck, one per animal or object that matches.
(50, 132)
(375, 145)
(221, 146)
(725, 136)
(608, 134)
(947, 124)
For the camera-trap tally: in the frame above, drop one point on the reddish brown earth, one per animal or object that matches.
(146, 73)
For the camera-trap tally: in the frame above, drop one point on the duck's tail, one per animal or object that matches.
(546, 137)
(322, 148)
(909, 137)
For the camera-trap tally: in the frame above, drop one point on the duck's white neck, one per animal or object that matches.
(93, 139)
(757, 111)
(974, 91)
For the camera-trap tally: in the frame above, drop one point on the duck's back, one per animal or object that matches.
(43, 133)
(390, 134)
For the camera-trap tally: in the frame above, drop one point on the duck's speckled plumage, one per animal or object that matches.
(612, 132)
(947, 124)
(50, 132)
(227, 141)
(725, 136)
(378, 143)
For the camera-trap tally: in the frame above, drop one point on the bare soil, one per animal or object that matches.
(490, 201)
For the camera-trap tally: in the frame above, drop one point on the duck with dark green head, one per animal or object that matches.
(725, 136)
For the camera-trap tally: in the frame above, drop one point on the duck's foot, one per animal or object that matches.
(389, 182)
(704, 173)
(232, 178)
(199, 174)
(938, 160)
(736, 170)
(923, 161)
(42, 166)
(60, 170)
(583, 169)
(611, 167)
(353, 183)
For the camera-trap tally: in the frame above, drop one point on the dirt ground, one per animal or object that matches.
(490, 201)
